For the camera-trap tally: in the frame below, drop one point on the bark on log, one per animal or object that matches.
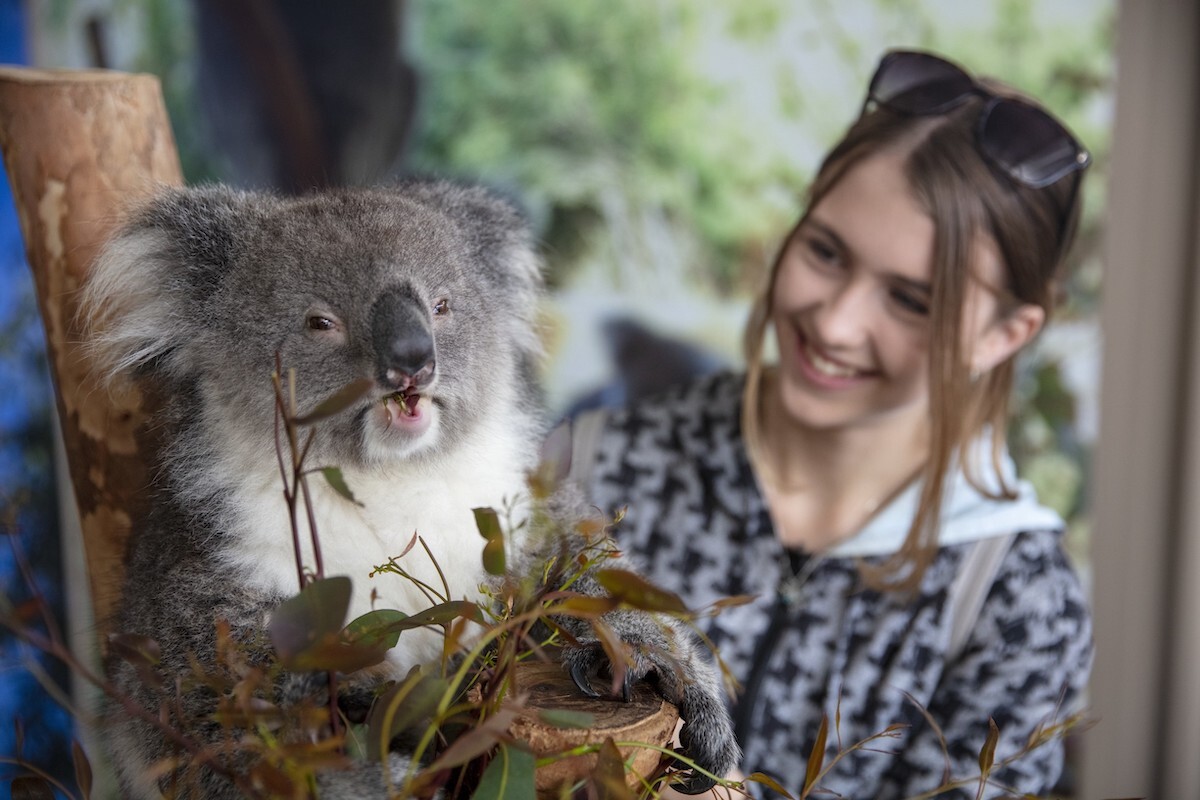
(80, 148)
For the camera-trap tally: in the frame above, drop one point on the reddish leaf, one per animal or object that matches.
(816, 759)
(633, 589)
(135, 649)
(987, 755)
(475, 742)
(770, 783)
(734, 601)
(614, 648)
(83, 770)
(608, 776)
(583, 605)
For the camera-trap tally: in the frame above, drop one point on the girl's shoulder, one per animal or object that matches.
(708, 402)
(1037, 596)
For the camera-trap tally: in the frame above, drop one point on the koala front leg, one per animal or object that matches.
(661, 650)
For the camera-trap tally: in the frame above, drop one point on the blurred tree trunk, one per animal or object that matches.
(80, 148)
(300, 95)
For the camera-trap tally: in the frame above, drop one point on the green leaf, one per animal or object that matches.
(816, 759)
(317, 611)
(374, 628)
(488, 523)
(306, 630)
(633, 589)
(337, 402)
(402, 707)
(509, 776)
(562, 718)
(337, 482)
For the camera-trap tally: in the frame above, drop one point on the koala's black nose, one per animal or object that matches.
(403, 340)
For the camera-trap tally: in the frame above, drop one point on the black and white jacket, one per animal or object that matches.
(817, 642)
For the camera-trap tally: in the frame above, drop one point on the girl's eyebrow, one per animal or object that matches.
(922, 287)
(825, 230)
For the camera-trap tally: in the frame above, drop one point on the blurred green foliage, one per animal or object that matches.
(675, 137)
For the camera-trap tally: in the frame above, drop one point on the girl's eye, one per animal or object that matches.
(319, 323)
(910, 303)
(823, 252)
(441, 307)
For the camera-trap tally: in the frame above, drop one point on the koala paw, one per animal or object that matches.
(690, 683)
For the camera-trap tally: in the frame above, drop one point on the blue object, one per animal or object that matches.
(26, 486)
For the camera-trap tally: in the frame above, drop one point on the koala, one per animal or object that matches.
(428, 290)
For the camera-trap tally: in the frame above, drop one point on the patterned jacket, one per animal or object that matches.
(817, 642)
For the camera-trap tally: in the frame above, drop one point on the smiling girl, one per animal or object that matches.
(859, 487)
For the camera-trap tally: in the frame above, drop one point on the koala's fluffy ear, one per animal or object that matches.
(497, 230)
(138, 305)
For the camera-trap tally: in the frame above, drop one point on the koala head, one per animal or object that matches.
(427, 290)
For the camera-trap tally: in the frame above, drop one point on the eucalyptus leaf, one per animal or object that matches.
(337, 482)
(631, 588)
(816, 758)
(563, 718)
(374, 628)
(337, 402)
(402, 707)
(509, 776)
(608, 776)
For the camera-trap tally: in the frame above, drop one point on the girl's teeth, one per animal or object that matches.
(826, 367)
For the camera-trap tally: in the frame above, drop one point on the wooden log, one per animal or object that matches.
(80, 148)
(646, 718)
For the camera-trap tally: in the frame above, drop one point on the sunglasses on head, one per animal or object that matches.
(1019, 138)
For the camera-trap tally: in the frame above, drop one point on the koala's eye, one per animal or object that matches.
(441, 307)
(318, 323)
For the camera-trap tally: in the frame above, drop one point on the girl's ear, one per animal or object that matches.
(1005, 336)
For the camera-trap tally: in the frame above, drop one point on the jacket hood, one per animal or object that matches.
(967, 514)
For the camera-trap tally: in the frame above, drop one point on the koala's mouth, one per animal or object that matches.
(404, 403)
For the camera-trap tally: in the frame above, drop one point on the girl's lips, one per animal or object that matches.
(823, 371)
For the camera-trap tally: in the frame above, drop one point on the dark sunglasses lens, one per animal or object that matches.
(1029, 144)
(917, 83)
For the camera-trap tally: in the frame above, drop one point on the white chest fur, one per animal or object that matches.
(434, 502)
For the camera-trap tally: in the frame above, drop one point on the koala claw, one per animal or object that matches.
(581, 674)
(694, 783)
(587, 663)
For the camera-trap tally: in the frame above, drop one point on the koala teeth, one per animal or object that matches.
(406, 403)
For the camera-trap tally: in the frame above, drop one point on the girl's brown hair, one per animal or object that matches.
(965, 197)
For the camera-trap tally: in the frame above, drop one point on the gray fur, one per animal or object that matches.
(200, 292)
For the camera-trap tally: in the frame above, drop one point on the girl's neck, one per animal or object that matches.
(824, 484)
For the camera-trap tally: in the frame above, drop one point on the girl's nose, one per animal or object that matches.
(844, 318)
